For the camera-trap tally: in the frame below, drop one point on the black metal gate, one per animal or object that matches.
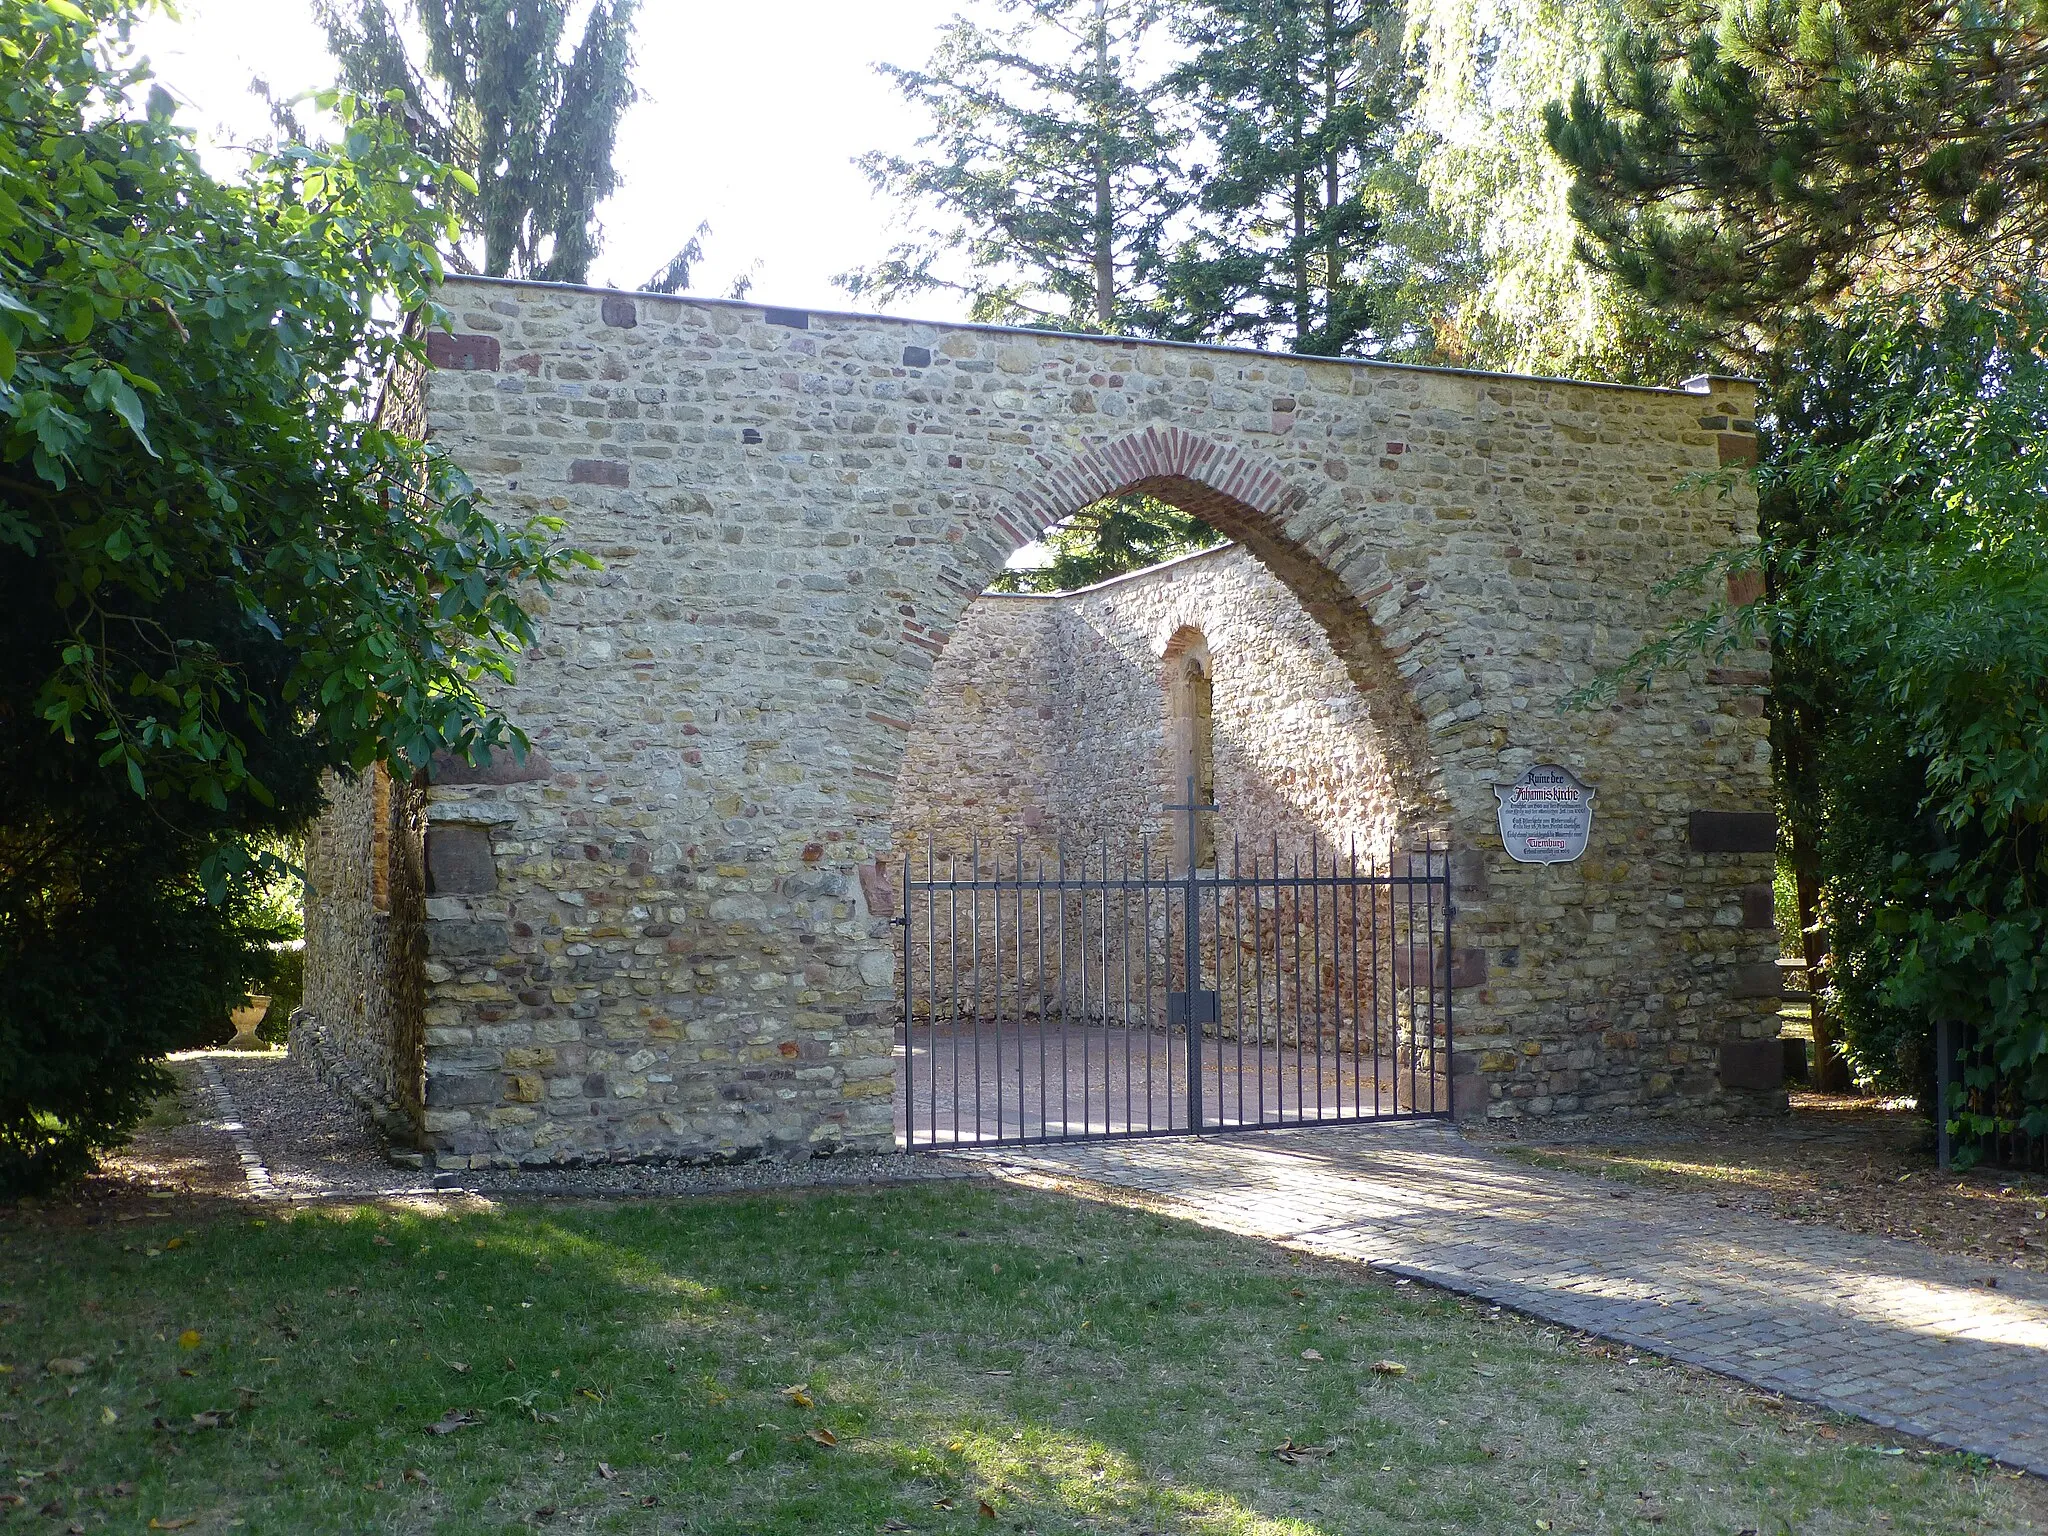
(1090, 996)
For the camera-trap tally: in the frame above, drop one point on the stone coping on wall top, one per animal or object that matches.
(1701, 384)
(1212, 552)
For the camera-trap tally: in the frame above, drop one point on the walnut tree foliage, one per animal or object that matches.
(1048, 173)
(1115, 536)
(1750, 161)
(1906, 553)
(489, 89)
(220, 575)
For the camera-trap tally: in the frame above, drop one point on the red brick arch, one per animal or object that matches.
(1248, 497)
(1195, 473)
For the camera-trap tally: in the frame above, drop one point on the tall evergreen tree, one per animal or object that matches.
(492, 94)
(1303, 102)
(1753, 163)
(1049, 162)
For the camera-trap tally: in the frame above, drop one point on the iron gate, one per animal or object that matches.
(1095, 996)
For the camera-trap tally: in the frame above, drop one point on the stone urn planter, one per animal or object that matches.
(246, 1019)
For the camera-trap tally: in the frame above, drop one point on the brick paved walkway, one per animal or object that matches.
(1893, 1333)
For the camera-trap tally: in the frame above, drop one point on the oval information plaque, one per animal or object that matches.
(1545, 816)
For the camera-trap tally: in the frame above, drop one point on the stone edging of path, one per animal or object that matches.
(228, 1121)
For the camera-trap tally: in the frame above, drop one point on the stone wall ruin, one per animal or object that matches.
(666, 935)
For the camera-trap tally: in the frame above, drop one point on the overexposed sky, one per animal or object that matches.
(749, 117)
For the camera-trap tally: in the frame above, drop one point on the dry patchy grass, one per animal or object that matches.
(861, 1362)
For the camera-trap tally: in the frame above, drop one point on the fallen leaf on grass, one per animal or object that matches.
(1389, 1368)
(172, 1525)
(604, 1471)
(893, 1524)
(69, 1366)
(942, 1503)
(213, 1418)
(648, 1500)
(459, 1367)
(822, 1436)
(454, 1419)
(1296, 1455)
(733, 1459)
(189, 1339)
(1317, 1354)
(799, 1395)
(415, 1475)
(988, 1510)
(108, 1416)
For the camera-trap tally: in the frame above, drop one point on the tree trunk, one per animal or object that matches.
(1105, 206)
(1830, 1071)
(1333, 247)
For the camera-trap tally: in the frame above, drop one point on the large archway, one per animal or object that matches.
(666, 935)
(1162, 794)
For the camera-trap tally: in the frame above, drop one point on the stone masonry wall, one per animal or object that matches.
(1047, 720)
(674, 943)
(359, 1027)
(1047, 728)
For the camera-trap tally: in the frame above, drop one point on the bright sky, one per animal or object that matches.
(749, 117)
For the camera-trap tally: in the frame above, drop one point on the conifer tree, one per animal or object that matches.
(1302, 101)
(1049, 169)
(1755, 162)
(490, 92)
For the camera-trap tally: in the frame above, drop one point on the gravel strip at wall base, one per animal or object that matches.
(315, 1146)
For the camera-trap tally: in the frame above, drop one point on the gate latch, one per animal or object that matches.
(1206, 1009)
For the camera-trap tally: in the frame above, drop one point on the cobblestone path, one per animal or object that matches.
(1916, 1341)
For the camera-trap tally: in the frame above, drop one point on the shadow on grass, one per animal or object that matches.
(841, 1362)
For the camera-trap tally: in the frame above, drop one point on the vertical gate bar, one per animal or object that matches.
(1428, 908)
(996, 960)
(1358, 1080)
(1372, 896)
(1216, 958)
(1145, 891)
(1315, 895)
(910, 1004)
(1038, 917)
(1018, 947)
(1124, 918)
(1191, 969)
(974, 938)
(1450, 1059)
(1102, 977)
(1259, 978)
(1278, 996)
(1428, 898)
(953, 965)
(1060, 952)
(931, 955)
(1237, 963)
(1300, 1086)
(1408, 877)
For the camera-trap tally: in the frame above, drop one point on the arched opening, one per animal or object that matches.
(1064, 971)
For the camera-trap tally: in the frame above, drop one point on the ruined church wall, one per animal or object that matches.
(672, 942)
(1046, 722)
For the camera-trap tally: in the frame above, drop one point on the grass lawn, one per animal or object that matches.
(967, 1358)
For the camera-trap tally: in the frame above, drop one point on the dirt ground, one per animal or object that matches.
(1861, 1165)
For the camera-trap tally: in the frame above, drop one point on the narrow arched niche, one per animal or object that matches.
(1191, 744)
